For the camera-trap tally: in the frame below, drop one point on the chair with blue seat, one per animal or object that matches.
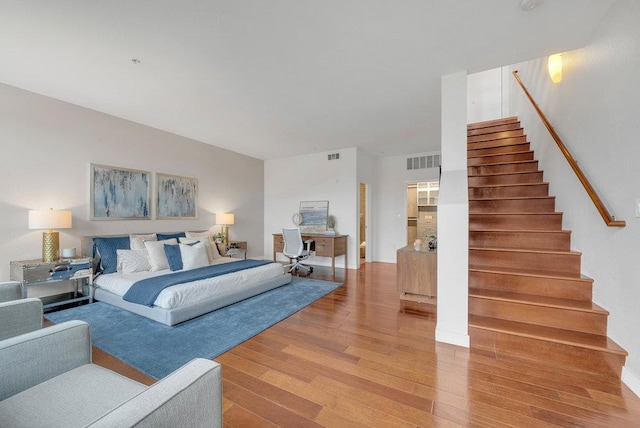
(297, 250)
(18, 315)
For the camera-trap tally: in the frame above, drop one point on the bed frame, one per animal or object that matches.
(174, 316)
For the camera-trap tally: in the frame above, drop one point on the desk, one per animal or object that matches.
(323, 245)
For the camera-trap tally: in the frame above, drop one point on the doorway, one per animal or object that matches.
(362, 229)
(422, 210)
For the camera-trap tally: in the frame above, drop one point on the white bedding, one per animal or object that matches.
(185, 294)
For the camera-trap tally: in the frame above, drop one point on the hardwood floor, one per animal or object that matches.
(359, 357)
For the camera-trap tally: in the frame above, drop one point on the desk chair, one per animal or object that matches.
(294, 248)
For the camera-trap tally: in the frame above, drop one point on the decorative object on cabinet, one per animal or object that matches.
(50, 219)
(120, 193)
(225, 219)
(331, 225)
(177, 197)
(314, 216)
(433, 242)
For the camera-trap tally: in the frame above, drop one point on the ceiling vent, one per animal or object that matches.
(422, 162)
(333, 156)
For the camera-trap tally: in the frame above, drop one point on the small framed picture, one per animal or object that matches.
(313, 216)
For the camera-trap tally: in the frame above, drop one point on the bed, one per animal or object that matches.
(183, 301)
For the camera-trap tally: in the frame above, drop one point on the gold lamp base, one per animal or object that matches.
(225, 232)
(50, 246)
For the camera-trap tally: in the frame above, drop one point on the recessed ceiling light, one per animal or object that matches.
(136, 61)
(528, 4)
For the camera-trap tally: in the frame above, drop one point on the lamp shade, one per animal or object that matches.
(50, 219)
(554, 64)
(224, 218)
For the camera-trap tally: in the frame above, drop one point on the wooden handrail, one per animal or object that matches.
(608, 218)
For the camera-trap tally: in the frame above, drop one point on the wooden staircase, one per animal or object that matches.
(527, 297)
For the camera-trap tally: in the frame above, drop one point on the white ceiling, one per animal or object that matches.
(274, 78)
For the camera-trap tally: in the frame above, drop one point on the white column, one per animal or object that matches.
(453, 216)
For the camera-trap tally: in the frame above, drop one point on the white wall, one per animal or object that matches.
(484, 95)
(453, 215)
(288, 181)
(595, 111)
(390, 203)
(48, 145)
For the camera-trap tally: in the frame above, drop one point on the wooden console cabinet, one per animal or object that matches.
(417, 274)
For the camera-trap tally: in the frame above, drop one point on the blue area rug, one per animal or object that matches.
(156, 349)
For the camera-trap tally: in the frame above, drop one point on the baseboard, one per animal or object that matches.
(631, 380)
(452, 338)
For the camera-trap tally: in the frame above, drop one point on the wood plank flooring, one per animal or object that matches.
(359, 357)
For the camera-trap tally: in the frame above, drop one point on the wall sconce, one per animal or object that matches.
(555, 67)
(225, 220)
(50, 219)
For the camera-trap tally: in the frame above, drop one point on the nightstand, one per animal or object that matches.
(33, 273)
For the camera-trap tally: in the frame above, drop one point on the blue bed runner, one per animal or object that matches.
(145, 292)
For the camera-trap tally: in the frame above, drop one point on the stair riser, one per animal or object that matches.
(509, 191)
(491, 180)
(549, 241)
(555, 354)
(490, 136)
(503, 168)
(576, 289)
(495, 122)
(515, 221)
(586, 322)
(521, 147)
(509, 157)
(545, 205)
(567, 265)
(492, 129)
(497, 143)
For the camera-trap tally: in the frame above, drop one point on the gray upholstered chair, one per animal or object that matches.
(48, 379)
(10, 290)
(18, 315)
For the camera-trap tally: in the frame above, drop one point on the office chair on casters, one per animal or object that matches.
(296, 250)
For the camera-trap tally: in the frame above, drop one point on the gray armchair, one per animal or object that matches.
(18, 315)
(49, 380)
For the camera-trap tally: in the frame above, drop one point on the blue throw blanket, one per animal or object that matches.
(145, 292)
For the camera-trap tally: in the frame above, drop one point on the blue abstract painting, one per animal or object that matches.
(314, 216)
(120, 194)
(177, 197)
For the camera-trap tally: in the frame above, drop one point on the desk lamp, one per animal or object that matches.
(225, 220)
(50, 219)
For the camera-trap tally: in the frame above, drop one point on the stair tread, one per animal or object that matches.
(512, 198)
(524, 250)
(504, 163)
(568, 232)
(500, 174)
(538, 300)
(557, 335)
(529, 272)
(526, 272)
(501, 154)
(503, 213)
(494, 122)
(490, 186)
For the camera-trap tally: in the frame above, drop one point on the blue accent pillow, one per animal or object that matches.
(173, 256)
(106, 248)
(162, 237)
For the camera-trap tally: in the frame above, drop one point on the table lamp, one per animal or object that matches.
(225, 220)
(50, 219)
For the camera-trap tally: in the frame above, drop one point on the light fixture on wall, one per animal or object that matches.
(225, 220)
(554, 64)
(50, 219)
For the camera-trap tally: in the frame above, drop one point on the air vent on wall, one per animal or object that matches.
(422, 162)
(333, 156)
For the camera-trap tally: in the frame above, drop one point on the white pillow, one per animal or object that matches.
(130, 261)
(205, 242)
(193, 256)
(157, 257)
(136, 242)
(212, 249)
